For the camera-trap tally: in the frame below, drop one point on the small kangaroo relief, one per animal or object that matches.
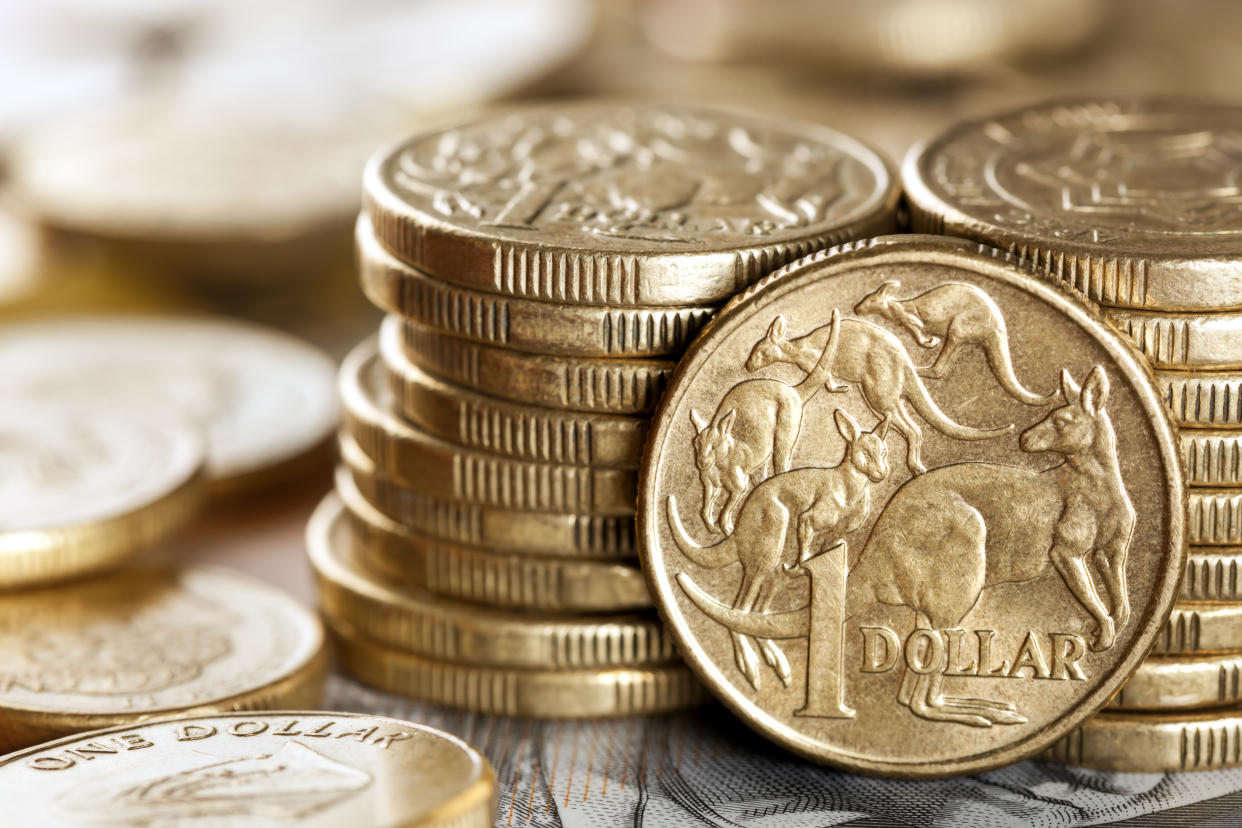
(877, 362)
(954, 314)
(820, 505)
(757, 420)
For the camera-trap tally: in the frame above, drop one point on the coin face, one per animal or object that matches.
(144, 643)
(264, 398)
(908, 510)
(623, 205)
(253, 769)
(1072, 183)
(82, 487)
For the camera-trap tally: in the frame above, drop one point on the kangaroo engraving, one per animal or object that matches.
(955, 315)
(877, 361)
(757, 420)
(818, 502)
(981, 524)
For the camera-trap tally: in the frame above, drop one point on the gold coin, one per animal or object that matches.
(1203, 399)
(143, 644)
(82, 488)
(612, 204)
(609, 386)
(501, 530)
(1195, 627)
(443, 470)
(524, 432)
(1133, 202)
(1182, 683)
(1212, 574)
(266, 400)
(1183, 340)
(484, 577)
(543, 694)
(418, 622)
(1214, 517)
(337, 769)
(1213, 456)
(522, 324)
(959, 604)
(1152, 742)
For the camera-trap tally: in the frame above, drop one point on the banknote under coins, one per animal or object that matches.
(85, 487)
(1133, 204)
(310, 767)
(950, 605)
(265, 399)
(149, 643)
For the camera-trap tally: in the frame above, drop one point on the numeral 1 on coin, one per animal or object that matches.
(825, 653)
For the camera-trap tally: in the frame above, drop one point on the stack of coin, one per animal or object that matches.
(543, 269)
(1134, 205)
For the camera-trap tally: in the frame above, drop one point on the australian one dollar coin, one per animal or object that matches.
(910, 511)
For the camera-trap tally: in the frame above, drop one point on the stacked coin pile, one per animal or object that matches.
(543, 270)
(1134, 205)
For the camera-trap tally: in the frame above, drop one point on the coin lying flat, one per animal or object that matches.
(439, 469)
(522, 324)
(143, 644)
(610, 204)
(313, 768)
(1183, 683)
(544, 694)
(524, 432)
(1203, 399)
(265, 399)
(1131, 201)
(1214, 517)
(485, 577)
(608, 386)
(1213, 456)
(1201, 627)
(1212, 574)
(503, 530)
(1152, 742)
(1183, 340)
(909, 592)
(436, 628)
(84, 487)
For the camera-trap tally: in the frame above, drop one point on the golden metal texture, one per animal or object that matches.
(1201, 627)
(1213, 456)
(1214, 517)
(1184, 341)
(1213, 573)
(1203, 399)
(1152, 742)
(1182, 683)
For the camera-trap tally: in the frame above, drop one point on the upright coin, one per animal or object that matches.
(947, 609)
(265, 399)
(1152, 742)
(523, 324)
(312, 768)
(1133, 202)
(606, 386)
(610, 204)
(525, 432)
(444, 470)
(84, 487)
(145, 644)
(433, 627)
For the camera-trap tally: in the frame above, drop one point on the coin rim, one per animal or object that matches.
(1017, 273)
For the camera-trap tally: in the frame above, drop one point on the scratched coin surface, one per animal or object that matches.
(252, 769)
(613, 204)
(265, 399)
(910, 510)
(84, 487)
(146, 643)
(1134, 202)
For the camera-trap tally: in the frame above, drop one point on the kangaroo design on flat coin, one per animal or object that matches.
(920, 620)
(757, 421)
(817, 502)
(292, 783)
(955, 315)
(886, 376)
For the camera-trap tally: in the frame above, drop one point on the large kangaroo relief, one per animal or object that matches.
(942, 538)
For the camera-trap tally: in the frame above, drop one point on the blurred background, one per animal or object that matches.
(205, 155)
